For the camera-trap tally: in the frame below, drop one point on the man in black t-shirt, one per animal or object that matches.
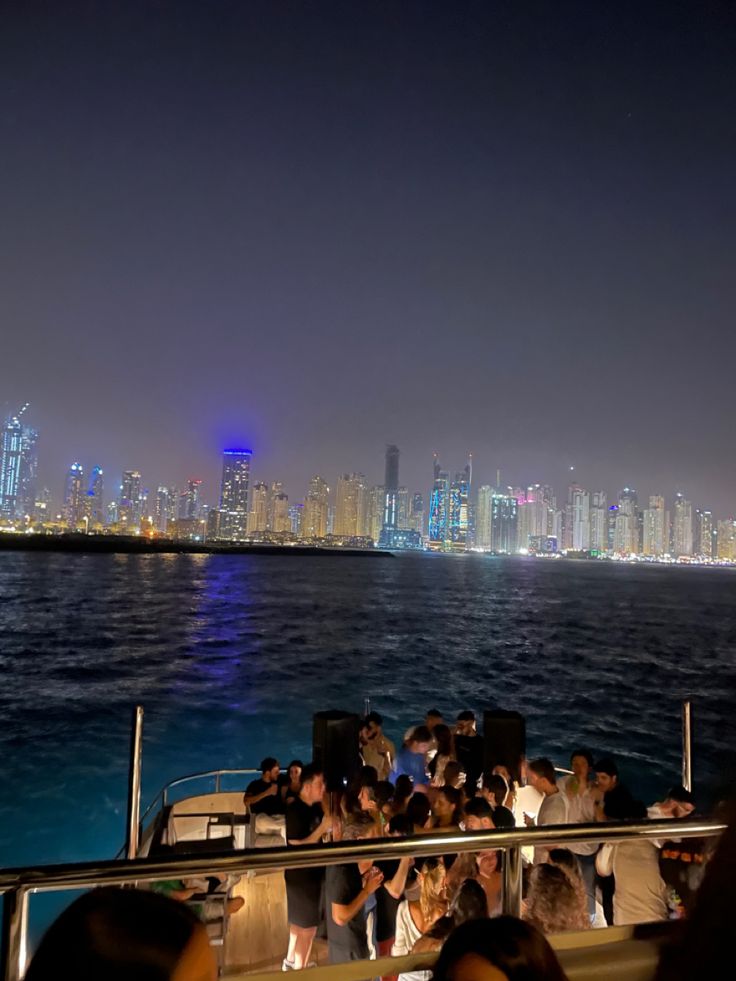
(469, 750)
(262, 796)
(347, 888)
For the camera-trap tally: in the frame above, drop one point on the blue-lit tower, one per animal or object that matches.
(74, 496)
(234, 494)
(459, 517)
(11, 455)
(439, 507)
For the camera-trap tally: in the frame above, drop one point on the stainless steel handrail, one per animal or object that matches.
(687, 755)
(134, 783)
(17, 884)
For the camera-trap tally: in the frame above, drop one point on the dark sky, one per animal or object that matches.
(504, 227)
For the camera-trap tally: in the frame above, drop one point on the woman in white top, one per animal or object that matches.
(415, 916)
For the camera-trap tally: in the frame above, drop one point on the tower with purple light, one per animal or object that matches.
(234, 494)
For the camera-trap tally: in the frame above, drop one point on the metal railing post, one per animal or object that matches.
(134, 783)
(687, 762)
(512, 881)
(15, 933)
(217, 782)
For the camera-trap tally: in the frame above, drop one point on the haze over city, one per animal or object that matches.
(318, 229)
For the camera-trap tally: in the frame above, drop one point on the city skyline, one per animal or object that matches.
(321, 230)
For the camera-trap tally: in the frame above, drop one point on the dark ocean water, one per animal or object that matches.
(231, 655)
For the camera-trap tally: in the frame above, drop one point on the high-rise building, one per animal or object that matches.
(95, 498)
(483, 517)
(314, 522)
(234, 494)
(391, 488)
(375, 512)
(727, 540)
(11, 453)
(580, 509)
(130, 504)
(416, 514)
(161, 510)
(654, 538)
(459, 518)
(504, 523)
(439, 508)
(275, 489)
(704, 527)
(281, 522)
(599, 522)
(191, 504)
(259, 508)
(626, 528)
(74, 497)
(296, 512)
(402, 516)
(350, 505)
(682, 527)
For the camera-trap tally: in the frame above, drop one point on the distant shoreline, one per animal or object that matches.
(133, 545)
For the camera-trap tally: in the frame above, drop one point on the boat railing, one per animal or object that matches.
(17, 885)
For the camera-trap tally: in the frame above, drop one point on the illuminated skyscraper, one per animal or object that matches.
(682, 527)
(129, 510)
(161, 510)
(314, 522)
(654, 541)
(74, 496)
(599, 522)
(258, 517)
(459, 517)
(439, 508)
(402, 515)
(350, 505)
(580, 510)
(17, 450)
(504, 520)
(483, 517)
(234, 494)
(296, 512)
(626, 529)
(95, 498)
(275, 489)
(191, 503)
(727, 540)
(416, 515)
(375, 512)
(704, 527)
(391, 488)
(280, 509)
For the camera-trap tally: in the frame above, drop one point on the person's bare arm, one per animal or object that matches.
(342, 914)
(316, 836)
(250, 799)
(395, 887)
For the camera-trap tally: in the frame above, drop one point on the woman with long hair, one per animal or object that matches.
(416, 916)
(516, 950)
(291, 786)
(125, 934)
(447, 809)
(469, 904)
(445, 754)
(556, 902)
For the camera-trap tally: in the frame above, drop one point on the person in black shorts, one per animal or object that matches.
(306, 823)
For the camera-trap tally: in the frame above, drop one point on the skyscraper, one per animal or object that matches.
(416, 515)
(296, 512)
(161, 510)
(654, 541)
(504, 520)
(599, 522)
(391, 488)
(483, 517)
(349, 504)
(459, 518)
(682, 527)
(580, 509)
(275, 490)
(129, 510)
(11, 455)
(314, 521)
(281, 522)
(95, 497)
(258, 517)
(439, 507)
(74, 496)
(192, 498)
(727, 540)
(402, 513)
(234, 494)
(626, 528)
(375, 512)
(704, 527)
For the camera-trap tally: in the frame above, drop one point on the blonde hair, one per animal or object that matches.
(432, 901)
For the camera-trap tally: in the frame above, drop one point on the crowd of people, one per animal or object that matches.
(435, 782)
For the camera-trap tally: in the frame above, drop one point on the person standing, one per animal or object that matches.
(578, 790)
(348, 888)
(306, 823)
(411, 758)
(554, 808)
(376, 749)
(469, 749)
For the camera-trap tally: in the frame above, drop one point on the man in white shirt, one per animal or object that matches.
(554, 808)
(578, 789)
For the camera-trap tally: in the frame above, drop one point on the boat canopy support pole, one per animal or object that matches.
(134, 783)
(512, 881)
(15, 932)
(687, 762)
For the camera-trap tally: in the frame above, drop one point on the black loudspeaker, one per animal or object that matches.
(335, 746)
(504, 738)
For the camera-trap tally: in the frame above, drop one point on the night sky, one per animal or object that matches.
(315, 229)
